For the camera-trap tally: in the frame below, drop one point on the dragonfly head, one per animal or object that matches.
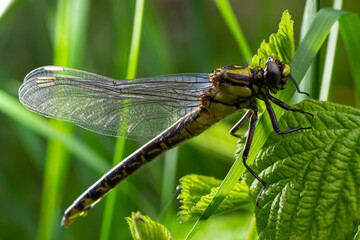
(276, 74)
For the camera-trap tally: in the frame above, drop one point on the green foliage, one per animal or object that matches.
(305, 54)
(230, 19)
(357, 235)
(313, 177)
(193, 38)
(143, 228)
(39, 125)
(349, 28)
(312, 41)
(310, 78)
(280, 44)
(197, 191)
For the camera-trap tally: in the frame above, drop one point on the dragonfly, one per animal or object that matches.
(173, 108)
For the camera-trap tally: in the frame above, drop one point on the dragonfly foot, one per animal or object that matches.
(260, 194)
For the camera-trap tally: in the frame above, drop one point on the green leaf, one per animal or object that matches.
(197, 191)
(143, 228)
(313, 177)
(280, 44)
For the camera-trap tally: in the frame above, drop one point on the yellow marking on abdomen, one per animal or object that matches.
(164, 146)
(133, 164)
(116, 176)
(124, 172)
(177, 138)
(143, 159)
(83, 213)
(154, 151)
(103, 189)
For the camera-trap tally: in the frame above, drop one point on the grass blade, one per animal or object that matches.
(57, 156)
(329, 58)
(229, 17)
(67, 36)
(120, 142)
(5, 4)
(310, 10)
(135, 39)
(253, 235)
(303, 58)
(12, 108)
(168, 180)
(349, 29)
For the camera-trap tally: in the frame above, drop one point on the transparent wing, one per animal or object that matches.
(135, 109)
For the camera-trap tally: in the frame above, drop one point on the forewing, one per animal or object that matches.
(135, 109)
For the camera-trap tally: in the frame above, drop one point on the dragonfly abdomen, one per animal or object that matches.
(185, 128)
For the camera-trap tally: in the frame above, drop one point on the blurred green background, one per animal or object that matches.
(177, 36)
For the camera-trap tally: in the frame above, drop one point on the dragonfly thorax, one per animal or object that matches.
(241, 85)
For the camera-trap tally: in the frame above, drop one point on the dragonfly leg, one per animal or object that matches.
(285, 106)
(274, 121)
(241, 122)
(249, 138)
(297, 86)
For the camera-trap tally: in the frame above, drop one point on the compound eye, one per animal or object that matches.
(272, 74)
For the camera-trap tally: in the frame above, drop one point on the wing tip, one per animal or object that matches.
(42, 72)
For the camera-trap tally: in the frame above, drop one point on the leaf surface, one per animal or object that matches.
(312, 176)
(197, 191)
(280, 44)
(143, 228)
